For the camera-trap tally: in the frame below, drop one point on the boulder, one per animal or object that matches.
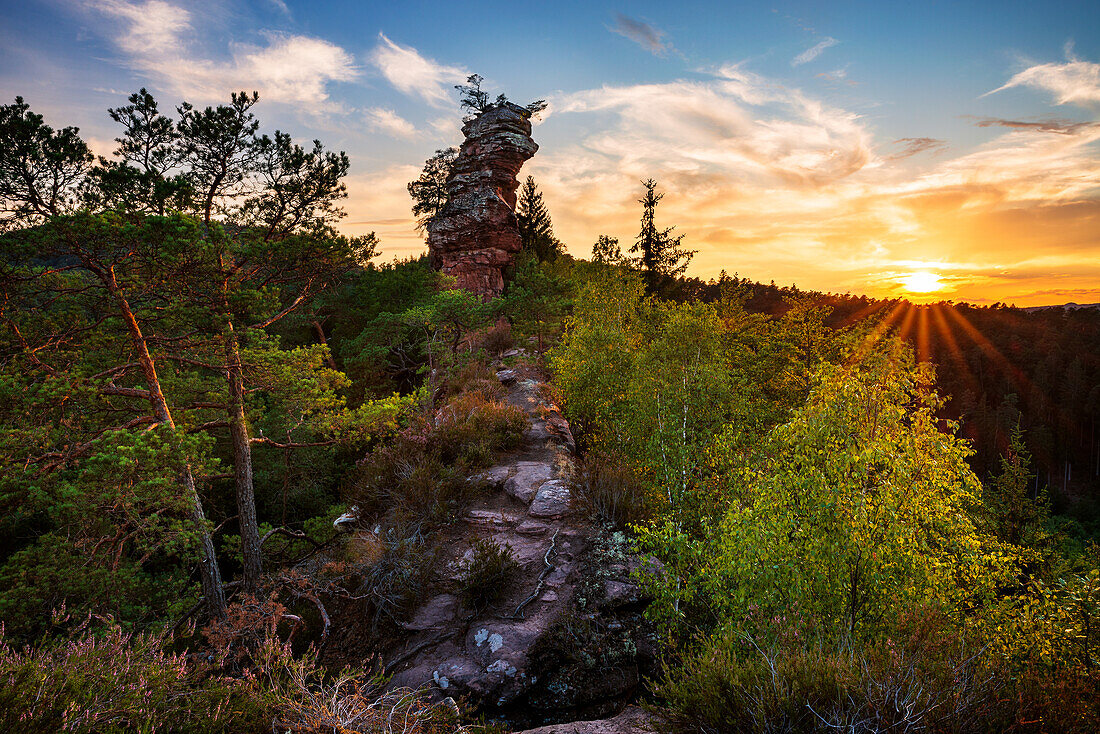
(632, 720)
(551, 500)
(496, 476)
(438, 613)
(529, 476)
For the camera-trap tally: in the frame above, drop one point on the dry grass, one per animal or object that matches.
(609, 489)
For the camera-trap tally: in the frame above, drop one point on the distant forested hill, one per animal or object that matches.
(1000, 365)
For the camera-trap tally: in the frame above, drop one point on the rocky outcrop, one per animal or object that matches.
(632, 720)
(567, 640)
(476, 236)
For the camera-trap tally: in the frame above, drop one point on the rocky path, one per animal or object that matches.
(567, 641)
(487, 655)
(632, 720)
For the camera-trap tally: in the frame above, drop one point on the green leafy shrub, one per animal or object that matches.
(1047, 636)
(487, 573)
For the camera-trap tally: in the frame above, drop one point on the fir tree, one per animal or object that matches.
(535, 226)
(659, 254)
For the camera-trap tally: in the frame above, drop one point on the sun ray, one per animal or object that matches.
(905, 331)
(877, 332)
(1019, 379)
(953, 351)
(924, 337)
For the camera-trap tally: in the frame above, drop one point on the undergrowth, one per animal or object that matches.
(608, 488)
(485, 577)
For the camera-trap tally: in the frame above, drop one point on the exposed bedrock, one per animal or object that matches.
(476, 236)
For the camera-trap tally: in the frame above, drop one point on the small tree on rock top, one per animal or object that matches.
(473, 98)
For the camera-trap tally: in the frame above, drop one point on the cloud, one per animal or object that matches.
(644, 34)
(1061, 127)
(1075, 82)
(152, 26)
(280, 6)
(837, 76)
(389, 123)
(735, 122)
(814, 51)
(416, 75)
(774, 182)
(157, 38)
(913, 146)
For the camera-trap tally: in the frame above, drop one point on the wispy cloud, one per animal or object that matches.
(837, 76)
(814, 51)
(913, 146)
(281, 6)
(416, 75)
(1075, 82)
(646, 35)
(1061, 127)
(148, 27)
(157, 38)
(735, 121)
(389, 123)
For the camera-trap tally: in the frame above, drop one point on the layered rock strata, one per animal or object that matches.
(476, 236)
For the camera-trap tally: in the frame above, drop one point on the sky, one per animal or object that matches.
(936, 150)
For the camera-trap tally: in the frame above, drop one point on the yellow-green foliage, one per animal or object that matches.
(859, 508)
(787, 470)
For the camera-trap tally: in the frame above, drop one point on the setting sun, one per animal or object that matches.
(922, 282)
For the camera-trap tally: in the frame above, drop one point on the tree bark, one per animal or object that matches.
(242, 461)
(320, 332)
(209, 571)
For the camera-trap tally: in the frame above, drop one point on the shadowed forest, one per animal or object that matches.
(850, 514)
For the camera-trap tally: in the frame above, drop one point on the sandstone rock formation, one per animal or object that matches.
(476, 236)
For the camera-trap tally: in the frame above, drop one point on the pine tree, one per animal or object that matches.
(659, 254)
(535, 226)
(1018, 516)
(429, 191)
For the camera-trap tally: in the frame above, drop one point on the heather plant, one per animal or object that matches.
(788, 678)
(608, 488)
(469, 430)
(486, 574)
(396, 575)
(115, 681)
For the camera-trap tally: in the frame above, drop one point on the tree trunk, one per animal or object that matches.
(319, 330)
(209, 571)
(242, 462)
